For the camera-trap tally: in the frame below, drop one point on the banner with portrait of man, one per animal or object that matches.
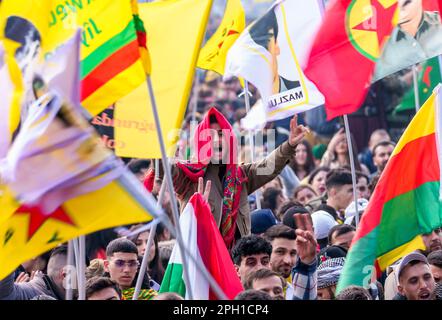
(416, 38)
(271, 54)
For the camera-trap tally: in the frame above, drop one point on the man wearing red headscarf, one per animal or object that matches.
(215, 160)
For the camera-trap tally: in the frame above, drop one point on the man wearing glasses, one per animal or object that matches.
(122, 265)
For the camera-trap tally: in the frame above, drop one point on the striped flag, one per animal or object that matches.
(202, 237)
(111, 64)
(399, 213)
(142, 38)
(59, 181)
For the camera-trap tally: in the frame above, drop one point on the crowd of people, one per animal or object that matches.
(287, 219)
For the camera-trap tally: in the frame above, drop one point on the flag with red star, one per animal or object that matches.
(60, 182)
(345, 51)
(213, 55)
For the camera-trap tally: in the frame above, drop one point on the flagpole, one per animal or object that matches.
(70, 263)
(148, 202)
(82, 269)
(145, 261)
(251, 140)
(195, 96)
(157, 169)
(169, 182)
(352, 166)
(200, 266)
(416, 88)
(76, 255)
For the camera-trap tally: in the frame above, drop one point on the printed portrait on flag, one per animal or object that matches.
(265, 34)
(271, 54)
(25, 34)
(416, 38)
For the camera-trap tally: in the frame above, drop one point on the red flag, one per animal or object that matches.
(432, 5)
(345, 51)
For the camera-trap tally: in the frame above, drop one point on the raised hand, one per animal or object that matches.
(22, 277)
(305, 240)
(338, 137)
(204, 191)
(297, 132)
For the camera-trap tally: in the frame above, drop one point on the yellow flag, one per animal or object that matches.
(174, 46)
(213, 55)
(26, 232)
(11, 86)
(60, 183)
(111, 66)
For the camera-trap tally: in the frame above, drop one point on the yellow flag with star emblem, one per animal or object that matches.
(59, 183)
(213, 54)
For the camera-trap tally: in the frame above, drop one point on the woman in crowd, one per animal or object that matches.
(302, 162)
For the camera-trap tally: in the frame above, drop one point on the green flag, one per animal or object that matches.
(428, 79)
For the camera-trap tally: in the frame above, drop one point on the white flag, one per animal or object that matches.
(271, 54)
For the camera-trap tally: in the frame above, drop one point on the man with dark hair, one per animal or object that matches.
(50, 284)
(435, 261)
(283, 257)
(253, 295)
(432, 240)
(339, 195)
(381, 153)
(288, 219)
(264, 33)
(362, 185)
(102, 288)
(251, 253)
(341, 235)
(122, 265)
(366, 156)
(354, 293)
(139, 168)
(268, 281)
(168, 296)
(286, 206)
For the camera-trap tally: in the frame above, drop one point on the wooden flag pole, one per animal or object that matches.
(145, 261)
(352, 166)
(251, 140)
(169, 182)
(416, 88)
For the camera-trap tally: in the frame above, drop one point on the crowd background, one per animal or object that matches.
(312, 183)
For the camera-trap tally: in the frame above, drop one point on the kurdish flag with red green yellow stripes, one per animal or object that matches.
(406, 202)
(118, 65)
